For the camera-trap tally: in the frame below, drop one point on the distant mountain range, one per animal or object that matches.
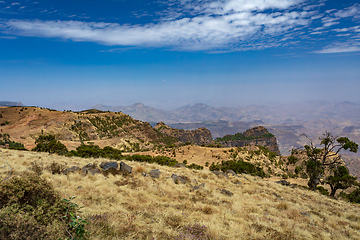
(267, 114)
(10, 104)
(286, 121)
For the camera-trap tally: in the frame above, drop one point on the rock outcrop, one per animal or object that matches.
(198, 137)
(255, 136)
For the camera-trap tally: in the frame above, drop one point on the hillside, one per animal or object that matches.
(201, 136)
(205, 206)
(116, 129)
(255, 136)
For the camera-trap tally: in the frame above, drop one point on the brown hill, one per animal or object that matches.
(201, 136)
(23, 124)
(255, 136)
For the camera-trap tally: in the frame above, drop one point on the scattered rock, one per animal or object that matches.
(107, 165)
(155, 173)
(125, 168)
(79, 187)
(69, 170)
(306, 214)
(179, 179)
(88, 167)
(230, 172)
(226, 192)
(94, 171)
(283, 182)
(145, 174)
(218, 173)
(199, 186)
(238, 182)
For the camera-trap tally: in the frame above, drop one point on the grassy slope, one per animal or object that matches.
(138, 207)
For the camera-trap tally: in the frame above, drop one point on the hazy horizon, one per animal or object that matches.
(168, 54)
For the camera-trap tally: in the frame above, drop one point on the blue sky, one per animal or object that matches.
(166, 54)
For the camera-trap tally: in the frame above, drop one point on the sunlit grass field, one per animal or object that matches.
(140, 207)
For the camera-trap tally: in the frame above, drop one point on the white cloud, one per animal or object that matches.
(349, 12)
(340, 49)
(213, 25)
(221, 24)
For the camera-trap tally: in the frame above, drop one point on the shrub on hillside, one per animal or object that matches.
(195, 166)
(353, 197)
(31, 209)
(48, 143)
(94, 151)
(161, 160)
(238, 167)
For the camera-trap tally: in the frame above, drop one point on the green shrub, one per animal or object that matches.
(353, 197)
(94, 151)
(48, 143)
(322, 190)
(241, 137)
(298, 169)
(16, 146)
(31, 209)
(195, 166)
(161, 160)
(284, 176)
(292, 159)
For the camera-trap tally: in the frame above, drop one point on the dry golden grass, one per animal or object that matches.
(138, 207)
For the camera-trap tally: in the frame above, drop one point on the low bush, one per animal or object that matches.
(292, 159)
(195, 166)
(94, 151)
(31, 209)
(353, 197)
(48, 143)
(161, 160)
(322, 190)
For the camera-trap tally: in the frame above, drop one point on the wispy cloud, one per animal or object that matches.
(216, 25)
(340, 49)
(212, 25)
(353, 11)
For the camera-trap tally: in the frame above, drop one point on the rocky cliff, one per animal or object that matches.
(255, 136)
(198, 137)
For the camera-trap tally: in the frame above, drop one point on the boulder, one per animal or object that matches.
(226, 192)
(88, 167)
(107, 165)
(155, 173)
(218, 173)
(69, 170)
(199, 186)
(125, 168)
(283, 182)
(179, 179)
(94, 171)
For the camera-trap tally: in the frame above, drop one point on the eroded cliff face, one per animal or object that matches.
(198, 137)
(255, 136)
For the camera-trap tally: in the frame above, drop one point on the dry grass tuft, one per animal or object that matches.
(139, 169)
(282, 206)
